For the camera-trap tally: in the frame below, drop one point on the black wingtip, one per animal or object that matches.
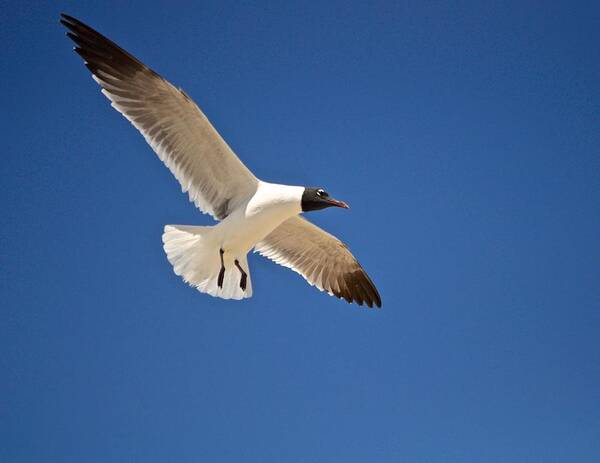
(65, 16)
(69, 21)
(377, 300)
(66, 20)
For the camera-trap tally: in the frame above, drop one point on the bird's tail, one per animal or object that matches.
(195, 257)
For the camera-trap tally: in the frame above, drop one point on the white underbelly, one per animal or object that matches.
(240, 232)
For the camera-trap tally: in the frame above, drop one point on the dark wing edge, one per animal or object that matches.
(100, 53)
(322, 259)
(172, 124)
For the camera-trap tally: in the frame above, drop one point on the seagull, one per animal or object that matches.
(251, 213)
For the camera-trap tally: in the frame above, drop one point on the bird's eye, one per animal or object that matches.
(322, 193)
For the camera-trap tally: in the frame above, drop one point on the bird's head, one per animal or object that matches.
(314, 199)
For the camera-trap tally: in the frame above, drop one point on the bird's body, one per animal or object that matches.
(195, 251)
(252, 214)
(271, 205)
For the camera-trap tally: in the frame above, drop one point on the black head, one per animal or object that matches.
(314, 199)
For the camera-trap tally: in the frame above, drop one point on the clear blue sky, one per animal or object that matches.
(466, 139)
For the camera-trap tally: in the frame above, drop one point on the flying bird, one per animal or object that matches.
(252, 214)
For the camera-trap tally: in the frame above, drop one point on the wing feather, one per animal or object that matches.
(172, 124)
(322, 259)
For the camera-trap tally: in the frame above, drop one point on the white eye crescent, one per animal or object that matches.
(321, 192)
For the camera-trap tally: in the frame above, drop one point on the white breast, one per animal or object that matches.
(270, 206)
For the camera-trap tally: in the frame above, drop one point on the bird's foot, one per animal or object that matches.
(222, 271)
(244, 278)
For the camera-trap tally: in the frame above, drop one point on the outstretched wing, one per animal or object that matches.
(322, 259)
(176, 129)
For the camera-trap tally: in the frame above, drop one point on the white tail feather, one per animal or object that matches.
(195, 258)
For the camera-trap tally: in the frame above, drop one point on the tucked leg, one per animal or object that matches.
(222, 271)
(244, 278)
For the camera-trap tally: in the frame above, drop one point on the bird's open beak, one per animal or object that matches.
(335, 202)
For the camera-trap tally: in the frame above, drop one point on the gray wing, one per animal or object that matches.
(176, 129)
(322, 259)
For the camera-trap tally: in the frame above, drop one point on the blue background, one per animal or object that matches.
(464, 136)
